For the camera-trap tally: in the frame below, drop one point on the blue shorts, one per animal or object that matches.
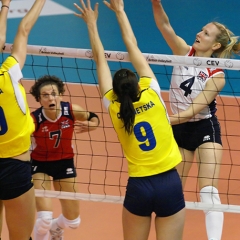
(191, 135)
(15, 178)
(59, 169)
(161, 194)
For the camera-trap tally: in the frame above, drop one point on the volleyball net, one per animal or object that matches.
(99, 160)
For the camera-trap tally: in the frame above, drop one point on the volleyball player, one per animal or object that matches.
(141, 122)
(3, 31)
(192, 98)
(52, 154)
(16, 126)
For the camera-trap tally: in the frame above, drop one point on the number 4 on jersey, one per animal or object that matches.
(186, 86)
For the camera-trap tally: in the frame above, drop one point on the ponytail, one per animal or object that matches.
(125, 86)
(230, 44)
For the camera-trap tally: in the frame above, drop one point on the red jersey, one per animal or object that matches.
(52, 139)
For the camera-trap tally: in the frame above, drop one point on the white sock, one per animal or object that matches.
(56, 225)
(61, 222)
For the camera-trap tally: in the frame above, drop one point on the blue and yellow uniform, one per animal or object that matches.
(152, 154)
(16, 127)
(16, 124)
(151, 148)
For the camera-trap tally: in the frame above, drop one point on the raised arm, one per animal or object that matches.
(177, 44)
(19, 50)
(3, 22)
(138, 60)
(90, 18)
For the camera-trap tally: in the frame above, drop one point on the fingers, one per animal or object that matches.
(114, 5)
(96, 7)
(88, 3)
(81, 127)
(107, 4)
(82, 10)
(83, 4)
(85, 8)
(156, 2)
(79, 9)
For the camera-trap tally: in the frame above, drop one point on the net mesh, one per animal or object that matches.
(101, 166)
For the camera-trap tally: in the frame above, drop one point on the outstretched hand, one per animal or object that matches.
(86, 12)
(115, 5)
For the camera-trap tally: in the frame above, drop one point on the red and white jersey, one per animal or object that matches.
(52, 139)
(186, 84)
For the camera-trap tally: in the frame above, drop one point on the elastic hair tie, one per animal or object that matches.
(5, 6)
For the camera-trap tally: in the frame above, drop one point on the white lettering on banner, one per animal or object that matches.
(18, 8)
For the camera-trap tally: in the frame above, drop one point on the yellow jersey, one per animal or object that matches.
(151, 148)
(16, 124)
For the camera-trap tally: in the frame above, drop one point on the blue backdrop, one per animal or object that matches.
(186, 16)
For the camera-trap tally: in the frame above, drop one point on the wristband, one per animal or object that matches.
(92, 115)
(5, 6)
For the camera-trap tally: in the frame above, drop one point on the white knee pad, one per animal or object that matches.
(209, 194)
(43, 223)
(73, 224)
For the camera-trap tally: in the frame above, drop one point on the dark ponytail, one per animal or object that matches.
(125, 86)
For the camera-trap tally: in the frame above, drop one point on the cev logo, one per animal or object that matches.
(212, 63)
(19, 8)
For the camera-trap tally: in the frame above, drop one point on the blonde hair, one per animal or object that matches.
(230, 44)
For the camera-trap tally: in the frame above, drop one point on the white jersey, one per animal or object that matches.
(186, 84)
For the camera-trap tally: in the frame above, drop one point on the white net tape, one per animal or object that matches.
(159, 59)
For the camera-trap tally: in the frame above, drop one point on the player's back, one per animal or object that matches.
(150, 149)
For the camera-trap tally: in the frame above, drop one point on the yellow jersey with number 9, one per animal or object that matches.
(151, 148)
(16, 124)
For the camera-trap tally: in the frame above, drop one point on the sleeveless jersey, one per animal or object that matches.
(151, 148)
(186, 84)
(16, 124)
(52, 139)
